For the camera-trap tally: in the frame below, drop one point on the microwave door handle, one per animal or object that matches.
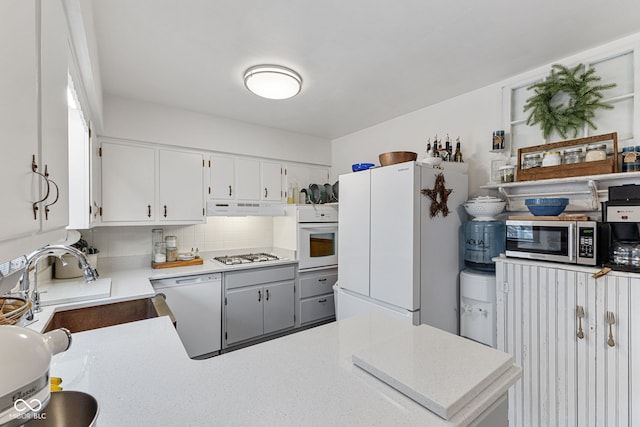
(572, 242)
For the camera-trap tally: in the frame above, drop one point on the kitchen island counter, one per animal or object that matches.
(141, 375)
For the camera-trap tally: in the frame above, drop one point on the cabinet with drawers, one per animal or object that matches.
(315, 298)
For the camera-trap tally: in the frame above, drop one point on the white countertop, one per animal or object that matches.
(141, 375)
(131, 279)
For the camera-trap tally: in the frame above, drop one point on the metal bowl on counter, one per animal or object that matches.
(68, 408)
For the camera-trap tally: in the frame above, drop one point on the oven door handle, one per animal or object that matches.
(572, 242)
(326, 229)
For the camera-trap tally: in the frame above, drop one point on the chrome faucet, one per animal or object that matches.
(89, 273)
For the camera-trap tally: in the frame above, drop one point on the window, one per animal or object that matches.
(618, 68)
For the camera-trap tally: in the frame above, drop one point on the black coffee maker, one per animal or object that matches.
(620, 242)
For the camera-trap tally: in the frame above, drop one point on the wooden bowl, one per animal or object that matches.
(393, 157)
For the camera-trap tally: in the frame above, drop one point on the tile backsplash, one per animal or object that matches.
(218, 233)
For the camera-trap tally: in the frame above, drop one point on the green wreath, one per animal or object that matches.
(550, 107)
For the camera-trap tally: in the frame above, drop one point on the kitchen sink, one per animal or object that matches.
(102, 316)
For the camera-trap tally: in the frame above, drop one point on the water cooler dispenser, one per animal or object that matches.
(478, 306)
(484, 239)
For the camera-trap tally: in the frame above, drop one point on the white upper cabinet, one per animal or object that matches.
(95, 167)
(244, 179)
(53, 113)
(128, 183)
(18, 117)
(271, 179)
(247, 175)
(33, 124)
(181, 186)
(222, 182)
(144, 184)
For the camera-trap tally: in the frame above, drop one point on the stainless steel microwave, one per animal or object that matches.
(572, 242)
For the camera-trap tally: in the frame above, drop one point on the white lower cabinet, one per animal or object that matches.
(578, 370)
(258, 302)
(316, 301)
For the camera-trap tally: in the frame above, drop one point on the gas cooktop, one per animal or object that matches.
(246, 258)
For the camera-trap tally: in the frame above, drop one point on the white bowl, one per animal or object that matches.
(433, 161)
(484, 208)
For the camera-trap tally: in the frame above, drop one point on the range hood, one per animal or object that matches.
(249, 208)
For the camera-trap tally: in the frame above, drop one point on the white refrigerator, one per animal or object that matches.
(393, 256)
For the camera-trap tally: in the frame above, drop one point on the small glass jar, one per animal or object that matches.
(159, 252)
(596, 152)
(573, 155)
(507, 173)
(630, 159)
(532, 160)
(171, 243)
(157, 235)
(172, 254)
(551, 158)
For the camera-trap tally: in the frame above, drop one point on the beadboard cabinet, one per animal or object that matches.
(577, 369)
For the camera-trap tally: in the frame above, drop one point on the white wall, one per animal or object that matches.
(134, 120)
(472, 116)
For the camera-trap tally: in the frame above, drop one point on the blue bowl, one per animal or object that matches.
(361, 166)
(546, 206)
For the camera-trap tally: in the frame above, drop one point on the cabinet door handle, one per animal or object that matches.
(324, 279)
(34, 169)
(259, 295)
(267, 294)
(266, 192)
(611, 320)
(580, 315)
(149, 211)
(230, 192)
(165, 211)
(322, 301)
(46, 207)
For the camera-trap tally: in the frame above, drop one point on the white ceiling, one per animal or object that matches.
(362, 61)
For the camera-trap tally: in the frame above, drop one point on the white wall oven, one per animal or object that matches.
(312, 232)
(318, 245)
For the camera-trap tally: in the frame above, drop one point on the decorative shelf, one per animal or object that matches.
(585, 193)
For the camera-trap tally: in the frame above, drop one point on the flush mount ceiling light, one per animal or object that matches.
(272, 81)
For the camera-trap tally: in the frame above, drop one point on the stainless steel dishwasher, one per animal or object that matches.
(196, 303)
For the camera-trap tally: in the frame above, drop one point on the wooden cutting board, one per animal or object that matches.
(550, 218)
(169, 264)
